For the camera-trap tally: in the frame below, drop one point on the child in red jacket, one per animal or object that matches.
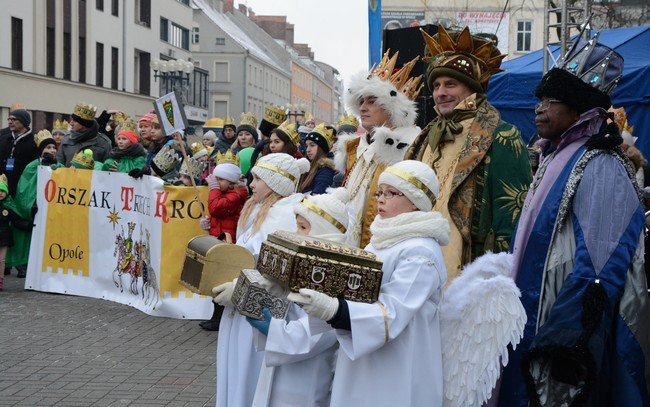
(227, 197)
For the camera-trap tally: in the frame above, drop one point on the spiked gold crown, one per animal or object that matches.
(275, 115)
(84, 111)
(322, 136)
(349, 120)
(229, 122)
(83, 160)
(192, 168)
(42, 136)
(227, 157)
(248, 119)
(128, 126)
(385, 70)
(461, 53)
(60, 125)
(290, 130)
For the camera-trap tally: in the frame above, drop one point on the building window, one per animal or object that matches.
(67, 39)
(82, 41)
(195, 35)
(221, 41)
(115, 7)
(143, 12)
(99, 5)
(186, 2)
(221, 72)
(524, 35)
(142, 73)
(174, 34)
(50, 39)
(164, 29)
(16, 43)
(99, 74)
(115, 61)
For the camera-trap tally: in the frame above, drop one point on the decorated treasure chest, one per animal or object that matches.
(250, 298)
(210, 262)
(332, 268)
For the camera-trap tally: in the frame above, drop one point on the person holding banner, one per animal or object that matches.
(269, 209)
(128, 154)
(84, 135)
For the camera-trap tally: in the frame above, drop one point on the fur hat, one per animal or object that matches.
(228, 171)
(571, 90)
(22, 116)
(326, 213)
(416, 180)
(210, 135)
(281, 172)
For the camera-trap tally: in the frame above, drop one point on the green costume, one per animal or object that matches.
(124, 164)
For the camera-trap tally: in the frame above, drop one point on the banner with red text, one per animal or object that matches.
(107, 235)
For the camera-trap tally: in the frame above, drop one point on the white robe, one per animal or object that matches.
(238, 363)
(298, 367)
(406, 371)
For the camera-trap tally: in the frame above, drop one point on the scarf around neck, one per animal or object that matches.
(446, 129)
(134, 150)
(388, 232)
(87, 134)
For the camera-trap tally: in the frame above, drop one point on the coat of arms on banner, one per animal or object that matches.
(171, 113)
(134, 260)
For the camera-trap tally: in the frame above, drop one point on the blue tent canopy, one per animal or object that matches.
(513, 91)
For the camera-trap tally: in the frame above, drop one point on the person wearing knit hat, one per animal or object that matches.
(17, 148)
(84, 135)
(144, 128)
(247, 135)
(477, 186)
(579, 240)
(22, 116)
(269, 209)
(321, 171)
(404, 322)
(310, 378)
(128, 155)
(209, 138)
(384, 99)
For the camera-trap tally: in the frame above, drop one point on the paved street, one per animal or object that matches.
(59, 350)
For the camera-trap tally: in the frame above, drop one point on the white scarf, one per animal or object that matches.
(388, 232)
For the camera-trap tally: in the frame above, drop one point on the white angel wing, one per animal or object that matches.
(480, 314)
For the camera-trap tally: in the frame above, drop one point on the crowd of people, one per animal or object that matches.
(428, 203)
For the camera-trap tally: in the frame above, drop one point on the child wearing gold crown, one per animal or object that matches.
(225, 203)
(321, 172)
(270, 208)
(128, 155)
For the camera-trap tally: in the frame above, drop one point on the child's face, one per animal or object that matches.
(304, 227)
(156, 133)
(49, 149)
(245, 139)
(3, 195)
(397, 204)
(145, 131)
(224, 184)
(122, 142)
(312, 149)
(276, 145)
(58, 137)
(260, 189)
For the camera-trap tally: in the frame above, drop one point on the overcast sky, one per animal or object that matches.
(336, 30)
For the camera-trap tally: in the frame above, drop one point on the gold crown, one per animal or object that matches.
(3, 179)
(328, 134)
(83, 159)
(227, 157)
(192, 168)
(166, 159)
(84, 111)
(61, 125)
(349, 120)
(119, 117)
(385, 71)
(229, 122)
(196, 147)
(42, 136)
(620, 118)
(290, 130)
(128, 126)
(249, 119)
(450, 50)
(275, 115)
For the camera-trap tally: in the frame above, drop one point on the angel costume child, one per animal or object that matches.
(390, 351)
(269, 209)
(298, 367)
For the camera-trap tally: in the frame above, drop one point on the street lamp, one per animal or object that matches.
(296, 111)
(172, 72)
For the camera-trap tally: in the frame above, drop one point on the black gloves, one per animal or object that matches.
(139, 172)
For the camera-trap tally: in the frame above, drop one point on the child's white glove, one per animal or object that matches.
(212, 182)
(224, 293)
(317, 305)
(274, 288)
(205, 223)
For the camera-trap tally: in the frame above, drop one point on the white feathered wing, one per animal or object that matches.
(480, 314)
